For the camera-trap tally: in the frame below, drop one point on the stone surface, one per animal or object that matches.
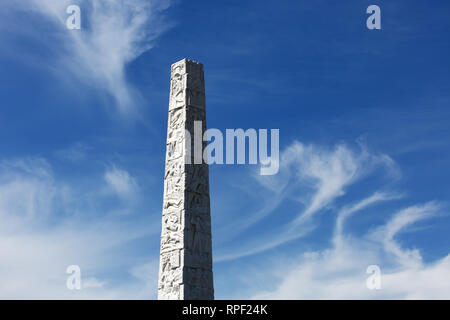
(185, 270)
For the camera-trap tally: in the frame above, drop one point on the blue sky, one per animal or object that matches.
(364, 130)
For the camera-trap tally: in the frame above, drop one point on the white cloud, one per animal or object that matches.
(315, 176)
(347, 212)
(340, 271)
(121, 182)
(40, 237)
(406, 217)
(26, 189)
(113, 34)
(330, 171)
(322, 175)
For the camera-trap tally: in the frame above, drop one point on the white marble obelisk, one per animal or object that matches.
(185, 269)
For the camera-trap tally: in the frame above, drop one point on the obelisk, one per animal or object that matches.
(185, 269)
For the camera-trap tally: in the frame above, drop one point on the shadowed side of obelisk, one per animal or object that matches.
(186, 255)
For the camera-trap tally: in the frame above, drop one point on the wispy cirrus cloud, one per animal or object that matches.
(330, 171)
(323, 174)
(348, 211)
(121, 182)
(47, 226)
(314, 176)
(403, 219)
(112, 35)
(318, 176)
(339, 272)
